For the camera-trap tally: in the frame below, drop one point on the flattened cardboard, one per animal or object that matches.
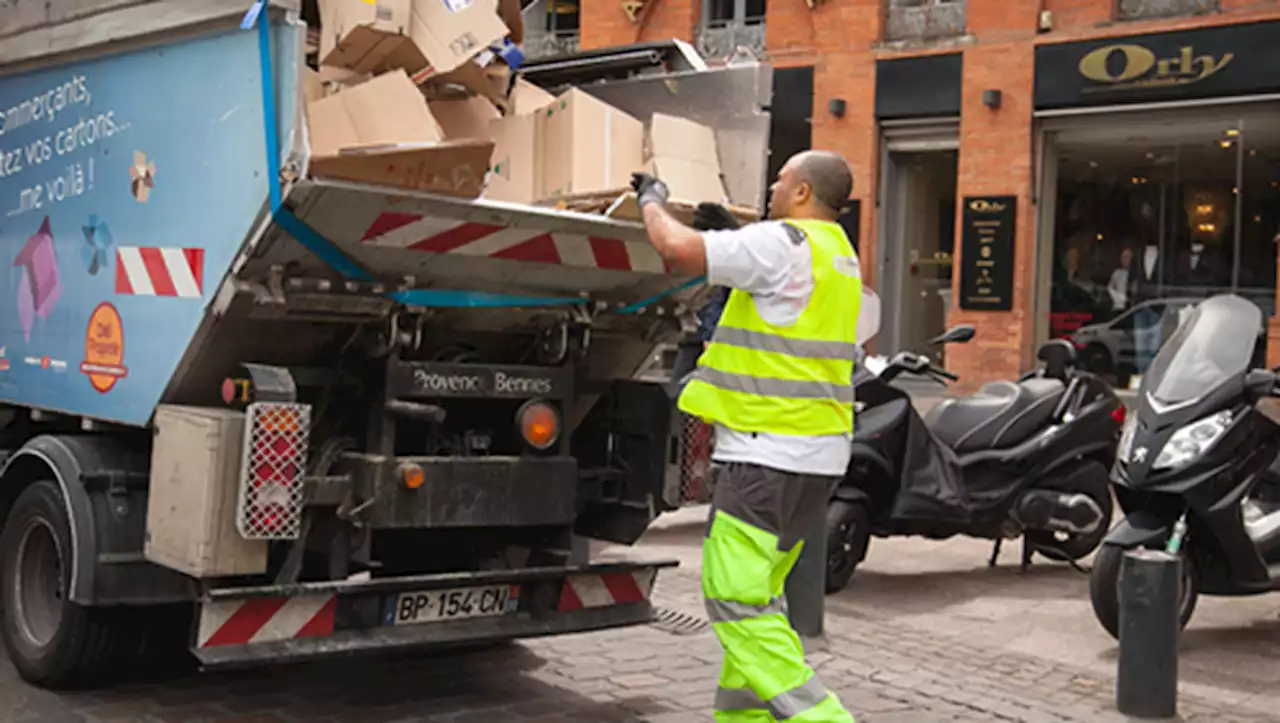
(359, 35)
(464, 119)
(689, 181)
(342, 77)
(312, 86)
(470, 77)
(586, 145)
(683, 154)
(384, 111)
(674, 137)
(627, 208)
(382, 132)
(451, 169)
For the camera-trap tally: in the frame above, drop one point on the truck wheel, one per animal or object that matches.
(1104, 592)
(848, 531)
(52, 641)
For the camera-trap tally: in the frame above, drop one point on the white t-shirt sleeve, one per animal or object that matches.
(763, 260)
(755, 258)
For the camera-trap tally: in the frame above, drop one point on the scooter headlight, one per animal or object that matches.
(1126, 438)
(1188, 443)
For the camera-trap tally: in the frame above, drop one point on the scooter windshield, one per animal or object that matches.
(1213, 345)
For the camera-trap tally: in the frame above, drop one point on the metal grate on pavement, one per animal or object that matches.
(674, 622)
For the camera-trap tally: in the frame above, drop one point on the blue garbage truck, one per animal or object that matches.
(260, 411)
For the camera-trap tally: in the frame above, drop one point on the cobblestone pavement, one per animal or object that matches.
(885, 673)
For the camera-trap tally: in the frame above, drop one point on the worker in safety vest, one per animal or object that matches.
(776, 383)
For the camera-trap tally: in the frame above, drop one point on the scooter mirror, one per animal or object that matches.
(955, 335)
(868, 316)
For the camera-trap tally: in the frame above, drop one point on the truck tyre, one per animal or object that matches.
(52, 641)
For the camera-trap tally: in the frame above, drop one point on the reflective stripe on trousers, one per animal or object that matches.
(765, 677)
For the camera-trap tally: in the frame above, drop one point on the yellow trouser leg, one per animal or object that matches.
(765, 677)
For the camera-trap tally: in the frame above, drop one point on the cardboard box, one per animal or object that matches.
(336, 78)
(527, 98)
(463, 119)
(382, 132)
(451, 32)
(312, 86)
(586, 145)
(360, 35)
(513, 175)
(412, 35)
(683, 154)
(467, 79)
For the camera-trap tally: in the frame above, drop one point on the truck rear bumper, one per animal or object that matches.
(247, 626)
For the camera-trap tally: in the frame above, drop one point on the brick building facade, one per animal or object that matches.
(999, 146)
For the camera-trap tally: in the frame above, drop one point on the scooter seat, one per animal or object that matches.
(1000, 415)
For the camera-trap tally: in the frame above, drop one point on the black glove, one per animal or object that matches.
(714, 217)
(649, 189)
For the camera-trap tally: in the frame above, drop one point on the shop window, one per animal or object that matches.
(1143, 9)
(1150, 219)
(551, 27)
(729, 24)
(923, 19)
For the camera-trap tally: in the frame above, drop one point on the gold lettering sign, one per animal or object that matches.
(1140, 68)
(982, 205)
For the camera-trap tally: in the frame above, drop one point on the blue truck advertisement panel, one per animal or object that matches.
(127, 185)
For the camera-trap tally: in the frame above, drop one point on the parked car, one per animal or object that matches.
(1109, 348)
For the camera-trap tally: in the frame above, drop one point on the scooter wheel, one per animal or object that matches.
(1104, 589)
(848, 531)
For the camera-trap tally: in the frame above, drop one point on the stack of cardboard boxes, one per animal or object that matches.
(417, 94)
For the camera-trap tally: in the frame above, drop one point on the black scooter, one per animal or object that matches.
(1026, 458)
(1194, 471)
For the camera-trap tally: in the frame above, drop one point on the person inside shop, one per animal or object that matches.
(1118, 287)
(1072, 291)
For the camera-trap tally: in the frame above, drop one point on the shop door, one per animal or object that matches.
(919, 243)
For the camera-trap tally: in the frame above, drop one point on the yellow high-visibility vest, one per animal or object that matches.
(797, 379)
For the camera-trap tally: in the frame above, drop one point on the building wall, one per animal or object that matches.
(842, 40)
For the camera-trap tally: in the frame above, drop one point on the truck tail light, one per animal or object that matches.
(272, 470)
(539, 424)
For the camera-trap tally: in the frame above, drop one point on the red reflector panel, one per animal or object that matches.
(271, 489)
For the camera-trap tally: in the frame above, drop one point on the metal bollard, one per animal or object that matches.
(806, 585)
(1150, 592)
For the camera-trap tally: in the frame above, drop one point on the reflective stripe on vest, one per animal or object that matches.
(758, 377)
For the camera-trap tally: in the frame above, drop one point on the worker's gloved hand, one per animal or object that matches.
(649, 189)
(714, 217)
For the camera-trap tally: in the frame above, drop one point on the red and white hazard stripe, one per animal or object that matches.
(160, 271)
(598, 591)
(265, 619)
(432, 234)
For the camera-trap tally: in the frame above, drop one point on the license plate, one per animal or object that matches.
(470, 602)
